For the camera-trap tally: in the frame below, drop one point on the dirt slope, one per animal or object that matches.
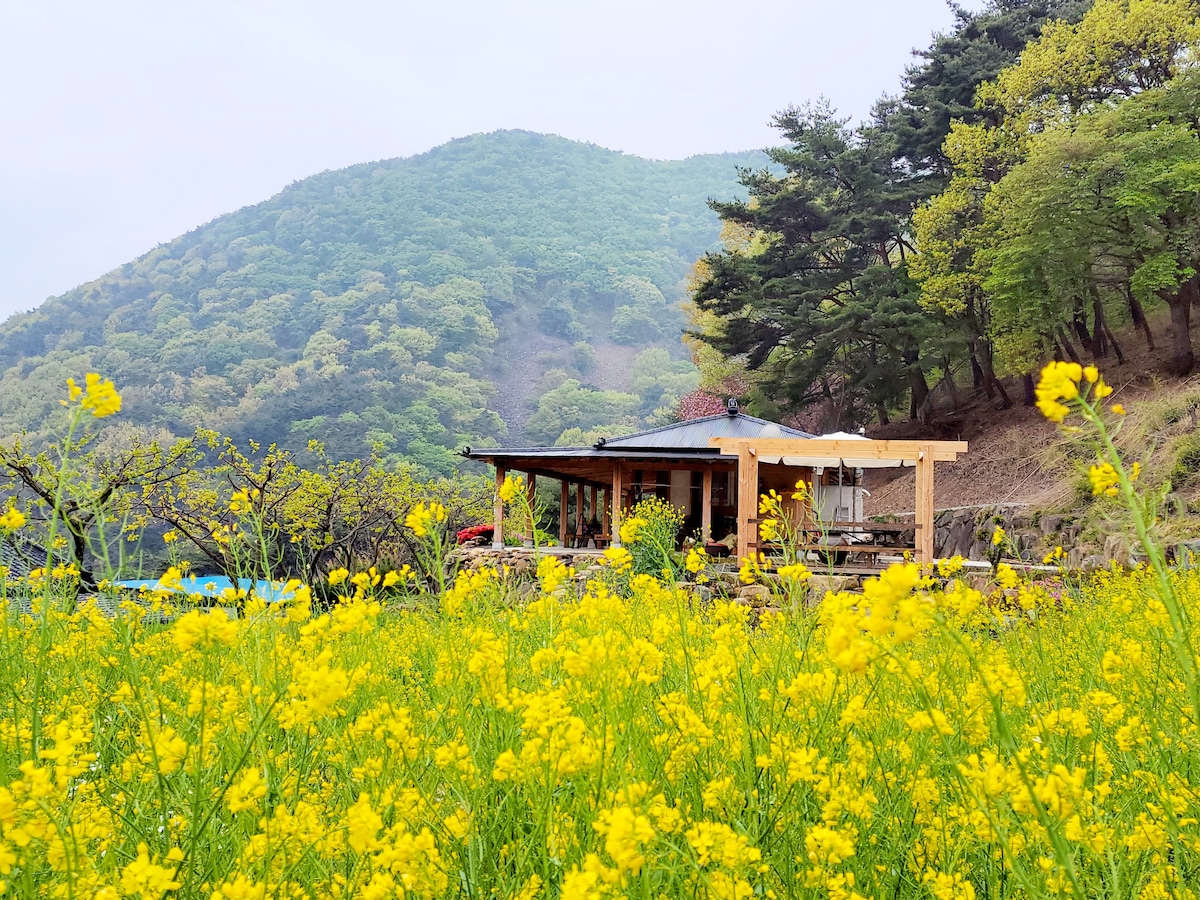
(1016, 456)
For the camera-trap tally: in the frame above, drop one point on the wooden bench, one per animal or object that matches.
(579, 541)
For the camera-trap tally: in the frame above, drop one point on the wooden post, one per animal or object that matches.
(530, 493)
(925, 530)
(706, 482)
(564, 497)
(498, 511)
(579, 514)
(618, 489)
(747, 532)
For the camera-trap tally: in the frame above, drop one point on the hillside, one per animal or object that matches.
(1019, 459)
(386, 303)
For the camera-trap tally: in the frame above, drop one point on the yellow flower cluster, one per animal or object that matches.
(422, 520)
(12, 519)
(631, 529)
(98, 395)
(511, 487)
(1060, 384)
(607, 738)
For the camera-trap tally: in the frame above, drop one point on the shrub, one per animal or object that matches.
(650, 531)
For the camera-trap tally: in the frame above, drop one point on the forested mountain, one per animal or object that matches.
(383, 304)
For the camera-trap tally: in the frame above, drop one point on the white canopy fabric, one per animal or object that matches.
(832, 462)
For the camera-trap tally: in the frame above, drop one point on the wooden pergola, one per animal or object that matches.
(684, 462)
(856, 453)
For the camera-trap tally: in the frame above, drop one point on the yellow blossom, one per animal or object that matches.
(1104, 479)
(511, 487)
(631, 529)
(1059, 382)
(422, 519)
(97, 395)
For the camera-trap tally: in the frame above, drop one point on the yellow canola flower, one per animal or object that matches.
(1059, 382)
(204, 630)
(626, 832)
(423, 519)
(97, 395)
(400, 576)
(631, 529)
(768, 529)
(998, 536)
(828, 846)
(795, 571)
(1104, 479)
(12, 519)
(617, 558)
(511, 487)
(752, 568)
(146, 878)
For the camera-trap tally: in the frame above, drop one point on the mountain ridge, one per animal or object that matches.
(378, 304)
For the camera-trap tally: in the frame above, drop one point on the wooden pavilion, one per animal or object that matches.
(714, 470)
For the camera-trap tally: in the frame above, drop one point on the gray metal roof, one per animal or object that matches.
(587, 453)
(695, 434)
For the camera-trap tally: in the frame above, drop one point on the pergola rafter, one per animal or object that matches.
(822, 452)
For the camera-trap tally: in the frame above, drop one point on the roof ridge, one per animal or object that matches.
(667, 427)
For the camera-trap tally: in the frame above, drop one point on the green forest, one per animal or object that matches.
(1029, 193)
(379, 307)
(1032, 193)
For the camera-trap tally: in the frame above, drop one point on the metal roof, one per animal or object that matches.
(586, 453)
(695, 434)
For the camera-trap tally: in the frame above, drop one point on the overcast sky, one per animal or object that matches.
(126, 123)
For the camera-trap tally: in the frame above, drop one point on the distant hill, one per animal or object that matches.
(386, 303)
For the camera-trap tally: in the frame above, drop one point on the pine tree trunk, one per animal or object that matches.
(989, 374)
(1079, 321)
(1067, 348)
(951, 387)
(1138, 314)
(1112, 341)
(919, 396)
(1030, 395)
(1102, 335)
(1183, 360)
(977, 379)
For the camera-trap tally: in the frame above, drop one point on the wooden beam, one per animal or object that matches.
(747, 530)
(906, 451)
(618, 490)
(925, 533)
(706, 484)
(498, 511)
(564, 497)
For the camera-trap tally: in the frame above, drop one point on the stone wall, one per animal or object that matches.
(967, 531)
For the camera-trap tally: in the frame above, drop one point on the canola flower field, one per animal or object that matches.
(619, 738)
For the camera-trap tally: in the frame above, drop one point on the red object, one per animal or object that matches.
(475, 531)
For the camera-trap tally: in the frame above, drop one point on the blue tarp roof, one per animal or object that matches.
(213, 586)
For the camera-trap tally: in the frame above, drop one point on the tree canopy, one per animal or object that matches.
(1032, 188)
(381, 305)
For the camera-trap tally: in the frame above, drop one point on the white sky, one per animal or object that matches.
(125, 123)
